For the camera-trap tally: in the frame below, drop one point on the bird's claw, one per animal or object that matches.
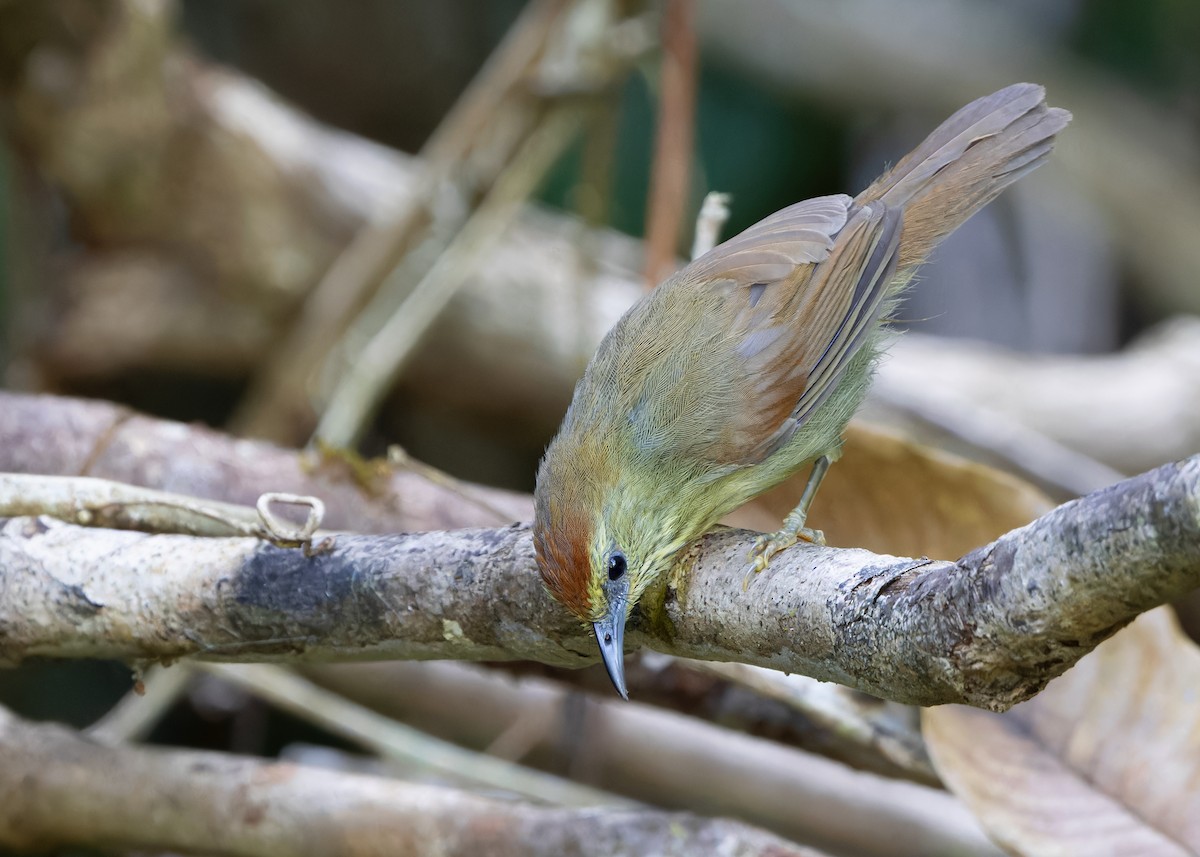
(769, 544)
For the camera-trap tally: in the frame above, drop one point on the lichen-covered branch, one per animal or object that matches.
(57, 788)
(988, 630)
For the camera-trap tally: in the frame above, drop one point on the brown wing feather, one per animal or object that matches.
(773, 248)
(968, 159)
(793, 353)
(772, 315)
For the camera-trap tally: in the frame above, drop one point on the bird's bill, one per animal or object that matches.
(610, 634)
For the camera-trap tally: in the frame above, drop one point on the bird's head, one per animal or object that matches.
(600, 543)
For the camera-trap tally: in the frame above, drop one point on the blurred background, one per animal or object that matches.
(403, 222)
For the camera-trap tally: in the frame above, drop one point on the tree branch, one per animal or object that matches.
(57, 788)
(988, 630)
(73, 437)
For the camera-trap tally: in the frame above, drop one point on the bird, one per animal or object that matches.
(745, 366)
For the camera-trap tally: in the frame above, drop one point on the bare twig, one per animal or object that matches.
(1025, 607)
(393, 740)
(139, 710)
(398, 457)
(535, 125)
(673, 140)
(376, 366)
(94, 502)
(713, 214)
(858, 719)
(280, 389)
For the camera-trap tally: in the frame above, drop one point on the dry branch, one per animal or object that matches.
(1132, 410)
(57, 789)
(664, 757)
(281, 386)
(74, 437)
(988, 630)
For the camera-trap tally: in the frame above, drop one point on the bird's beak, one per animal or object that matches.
(610, 634)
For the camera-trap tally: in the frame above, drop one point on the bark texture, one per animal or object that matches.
(988, 630)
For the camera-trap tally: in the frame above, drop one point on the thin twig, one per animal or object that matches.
(93, 502)
(368, 378)
(673, 140)
(393, 740)
(713, 214)
(398, 457)
(280, 389)
(139, 711)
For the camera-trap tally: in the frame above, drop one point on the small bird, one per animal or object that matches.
(746, 365)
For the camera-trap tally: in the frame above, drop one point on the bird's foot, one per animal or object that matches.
(769, 544)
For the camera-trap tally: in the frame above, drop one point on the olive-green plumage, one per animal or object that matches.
(746, 365)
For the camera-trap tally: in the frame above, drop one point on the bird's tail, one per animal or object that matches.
(965, 163)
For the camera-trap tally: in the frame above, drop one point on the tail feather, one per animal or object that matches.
(965, 163)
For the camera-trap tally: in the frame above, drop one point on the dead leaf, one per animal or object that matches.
(1105, 761)
(891, 495)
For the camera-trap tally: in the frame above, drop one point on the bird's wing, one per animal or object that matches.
(777, 312)
(772, 249)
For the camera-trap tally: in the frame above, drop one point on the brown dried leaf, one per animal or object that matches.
(891, 495)
(1105, 761)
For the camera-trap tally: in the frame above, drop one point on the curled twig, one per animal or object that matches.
(92, 502)
(283, 533)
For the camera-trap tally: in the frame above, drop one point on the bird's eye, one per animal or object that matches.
(616, 566)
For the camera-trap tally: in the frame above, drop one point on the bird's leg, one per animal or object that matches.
(793, 529)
